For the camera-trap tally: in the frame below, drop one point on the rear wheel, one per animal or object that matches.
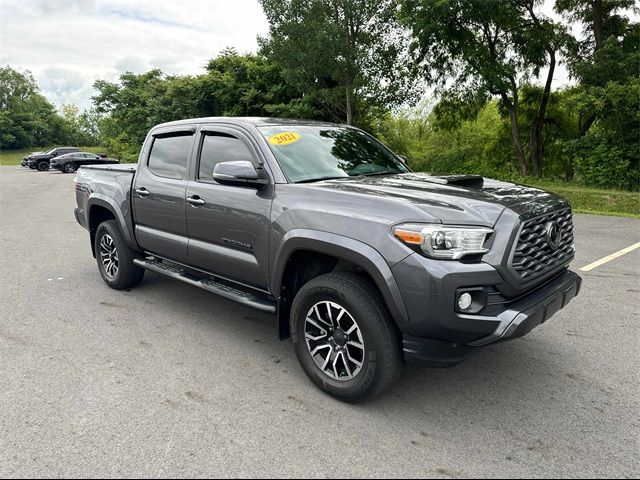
(69, 168)
(344, 337)
(43, 166)
(115, 257)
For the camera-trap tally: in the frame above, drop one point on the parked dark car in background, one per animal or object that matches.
(25, 159)
(41, 160)
(70, 162)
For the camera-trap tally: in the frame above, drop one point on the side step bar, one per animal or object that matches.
(256, 300)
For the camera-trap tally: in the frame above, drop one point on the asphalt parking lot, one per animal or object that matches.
(169, 380)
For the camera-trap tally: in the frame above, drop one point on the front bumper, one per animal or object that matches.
(438, 336)
(534, 309)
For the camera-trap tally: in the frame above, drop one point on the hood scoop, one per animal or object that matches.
(468, 181)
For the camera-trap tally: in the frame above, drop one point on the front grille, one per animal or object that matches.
(533, 256)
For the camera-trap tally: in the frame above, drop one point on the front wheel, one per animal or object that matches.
(115, 257)
(344, 337)
(43, 166)
(69, 168)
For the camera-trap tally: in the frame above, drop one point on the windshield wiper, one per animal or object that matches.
(378, 173)
(320, 179)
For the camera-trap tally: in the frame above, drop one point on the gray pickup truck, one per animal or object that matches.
(364, 264)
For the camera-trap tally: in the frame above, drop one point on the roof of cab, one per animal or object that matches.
(254, 121)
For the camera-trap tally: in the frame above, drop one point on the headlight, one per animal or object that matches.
(443, 242)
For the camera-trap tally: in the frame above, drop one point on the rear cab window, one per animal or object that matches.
(170, 154)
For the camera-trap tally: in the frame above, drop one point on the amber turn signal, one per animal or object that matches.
(407, 236)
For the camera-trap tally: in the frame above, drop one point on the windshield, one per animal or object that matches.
(308, 153)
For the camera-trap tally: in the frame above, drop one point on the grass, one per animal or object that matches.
(583, 199)
(593, 201)
(14, 157)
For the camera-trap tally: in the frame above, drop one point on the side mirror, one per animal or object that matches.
(403, 159)
(239, 173)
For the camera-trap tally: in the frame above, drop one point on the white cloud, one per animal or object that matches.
(67, 45)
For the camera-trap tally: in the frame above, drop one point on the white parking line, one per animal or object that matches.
(608, 258)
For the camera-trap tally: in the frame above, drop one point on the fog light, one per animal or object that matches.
(464, 301)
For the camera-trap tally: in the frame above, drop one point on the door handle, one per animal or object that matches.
(142, 192)
(195, 200)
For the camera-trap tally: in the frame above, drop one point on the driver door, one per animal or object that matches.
(228, 225)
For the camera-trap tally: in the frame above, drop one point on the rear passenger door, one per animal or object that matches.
(159, 194)
(229, 230)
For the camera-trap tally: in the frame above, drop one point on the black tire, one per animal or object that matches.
(43, 166)
(69, 168)
(382, 358)
(127, 275)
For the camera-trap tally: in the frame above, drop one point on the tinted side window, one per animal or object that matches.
(220, 147)
(169, 155)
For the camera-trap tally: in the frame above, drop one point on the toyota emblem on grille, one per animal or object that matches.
(554, 234)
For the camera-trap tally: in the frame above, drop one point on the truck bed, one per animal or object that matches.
(111, 189)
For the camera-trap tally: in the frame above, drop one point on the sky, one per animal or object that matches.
(68, 44)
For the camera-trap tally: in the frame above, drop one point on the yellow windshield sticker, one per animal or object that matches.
(284, 138)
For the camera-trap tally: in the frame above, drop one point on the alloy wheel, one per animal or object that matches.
(109, 256)
(334, 341)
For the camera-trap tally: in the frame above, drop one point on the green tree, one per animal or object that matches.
(81, 128)
(606, 61)
(472, 50)
(89, 126)
(70, 114)
(26, 117)
(348, 55)
(608, 155)
(133, 102)
(249, 85)
(239, 85)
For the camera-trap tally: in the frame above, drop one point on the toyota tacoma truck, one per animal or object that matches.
(364, 264)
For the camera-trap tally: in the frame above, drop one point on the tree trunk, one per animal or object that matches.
(584, 124)
(515, 134)
(598, 14)
(349, 100)
(568, 174)
(598, 39)
(536, 144)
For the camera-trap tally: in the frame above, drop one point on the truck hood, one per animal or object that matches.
(461, 200)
